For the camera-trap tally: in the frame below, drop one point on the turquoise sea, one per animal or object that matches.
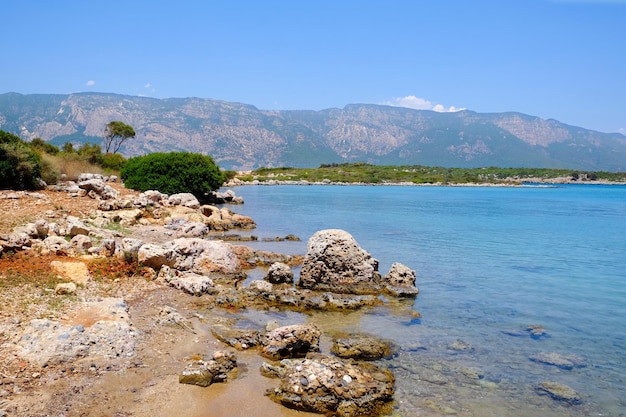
(490, 262)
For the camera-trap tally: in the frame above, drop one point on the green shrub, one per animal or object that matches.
(113, 161)
(20, 165)
(174, 172)
(43, 146)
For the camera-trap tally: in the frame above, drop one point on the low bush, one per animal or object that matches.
(174, 172)
(20, 165)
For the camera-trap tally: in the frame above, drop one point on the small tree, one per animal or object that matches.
(115, 133)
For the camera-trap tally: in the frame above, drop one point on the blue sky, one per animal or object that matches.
(561, 59)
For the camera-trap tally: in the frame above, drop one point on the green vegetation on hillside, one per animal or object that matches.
(20, 164)
(417, 174)
(23, 164)
(172, 173)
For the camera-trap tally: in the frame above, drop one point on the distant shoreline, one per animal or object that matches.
(531, 182)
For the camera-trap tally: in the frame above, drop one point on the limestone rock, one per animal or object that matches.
(101, 329)
(291, 341)
(155, 256)
(76, 227)
(81, 243)
(240, 339)
(131, 245)
(149, 198)
(261, 286)
(331, 386)
(279, 273)
(202, 256)
(227, 197)
(335, 262)
(56, 245)
(204, 373)
(76, 272)
(400, 281)
(224, 219)
(99, 188)
(65, 288)
(184, 199)
(193, 284)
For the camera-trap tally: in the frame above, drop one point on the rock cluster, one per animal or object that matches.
(337, 274)
(335, 262)
(227, 197)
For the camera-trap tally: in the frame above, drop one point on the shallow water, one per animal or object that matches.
(490, 261)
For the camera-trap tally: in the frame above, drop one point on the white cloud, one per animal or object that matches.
(90, 83)
(622, 131)
(417, 103)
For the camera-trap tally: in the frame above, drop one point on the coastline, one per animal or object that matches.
(527, 182)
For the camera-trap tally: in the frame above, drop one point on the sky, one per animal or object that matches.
(555, 59)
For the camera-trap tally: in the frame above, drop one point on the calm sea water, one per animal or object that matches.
(490, 262)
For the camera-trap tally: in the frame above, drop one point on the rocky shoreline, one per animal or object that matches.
(152, 302)
(173, 242)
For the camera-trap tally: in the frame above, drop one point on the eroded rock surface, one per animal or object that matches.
(292, 341)
(204, 373)
(100, 329)
(331, 386)
(335, 262)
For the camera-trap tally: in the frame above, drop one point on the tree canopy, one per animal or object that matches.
(115, 133)
(172, 173)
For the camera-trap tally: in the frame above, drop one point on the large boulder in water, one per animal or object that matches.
(335, 262)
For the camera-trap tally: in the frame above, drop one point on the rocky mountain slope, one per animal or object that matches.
(240, 136)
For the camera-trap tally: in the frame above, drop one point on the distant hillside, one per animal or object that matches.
(240, 136)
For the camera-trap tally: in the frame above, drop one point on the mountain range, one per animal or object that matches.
(241, 136)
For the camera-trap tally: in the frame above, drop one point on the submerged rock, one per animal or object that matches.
(331, 386)
(559, 392)
(361, 347)
(559, 360)
(460, 346)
